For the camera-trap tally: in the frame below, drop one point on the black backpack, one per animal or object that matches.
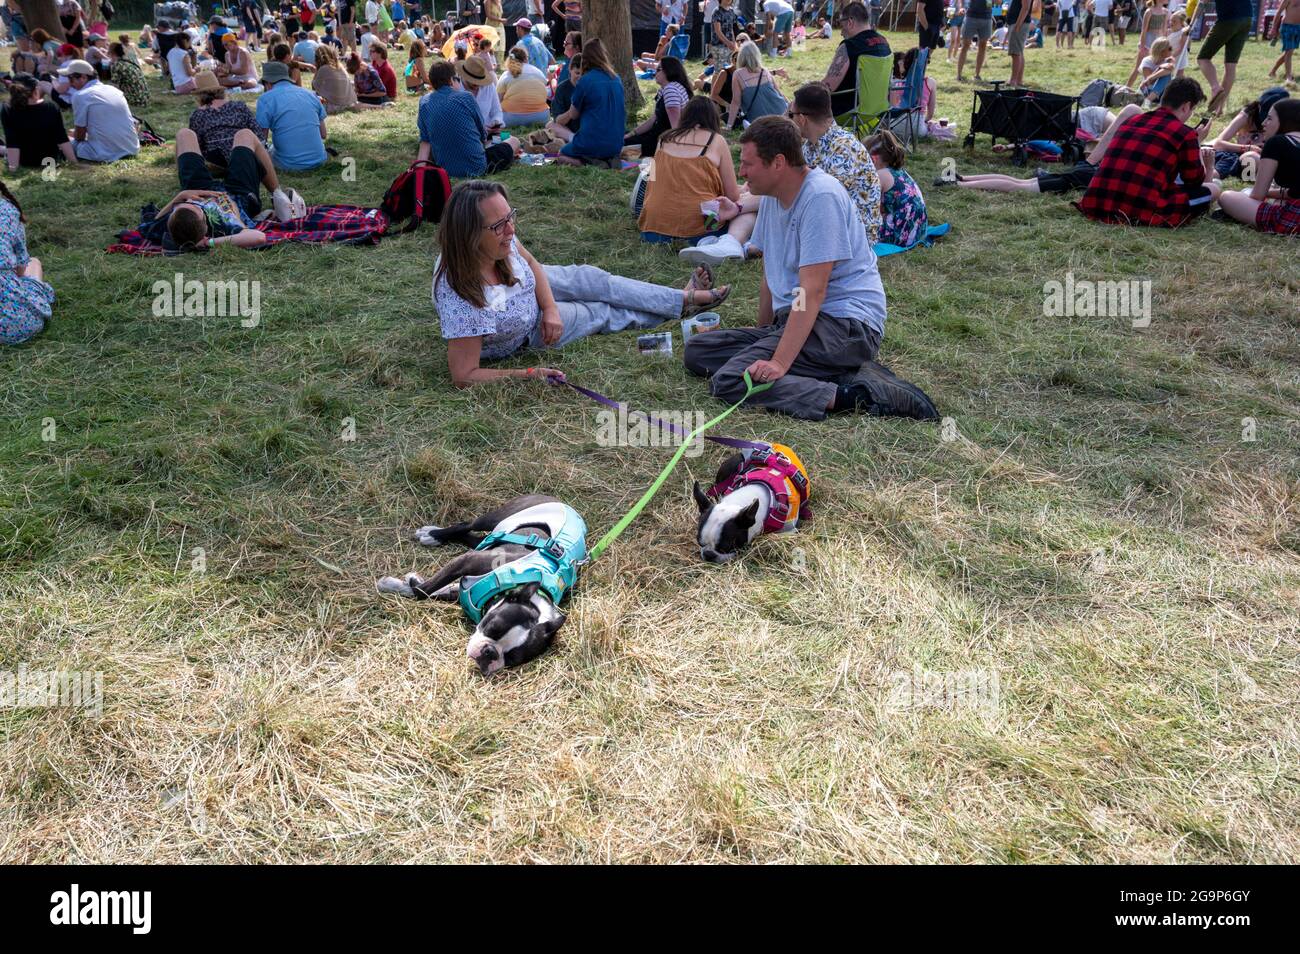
(419, 194)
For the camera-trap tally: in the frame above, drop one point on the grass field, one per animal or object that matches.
(1096, 561)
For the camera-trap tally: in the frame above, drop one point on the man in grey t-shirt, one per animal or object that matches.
(821, 311)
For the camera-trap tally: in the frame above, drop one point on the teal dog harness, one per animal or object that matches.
(552, 564)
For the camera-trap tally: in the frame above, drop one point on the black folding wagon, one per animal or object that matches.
(1019, 115)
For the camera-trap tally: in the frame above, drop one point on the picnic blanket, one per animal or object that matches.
(933, 232)
(348, 224)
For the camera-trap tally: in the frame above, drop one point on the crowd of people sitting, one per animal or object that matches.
(816, 202)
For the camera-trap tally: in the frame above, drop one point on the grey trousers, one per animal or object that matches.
(836, 348)
(594, 302)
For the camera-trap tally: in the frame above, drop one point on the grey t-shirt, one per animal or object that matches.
(821, 226)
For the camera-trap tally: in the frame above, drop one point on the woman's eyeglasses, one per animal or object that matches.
(499, 228)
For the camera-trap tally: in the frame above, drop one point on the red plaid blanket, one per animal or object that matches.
(349, 224)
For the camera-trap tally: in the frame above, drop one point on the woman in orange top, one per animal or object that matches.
(692, 165)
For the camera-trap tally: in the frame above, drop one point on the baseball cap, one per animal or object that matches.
(77, 66)
(524, 23)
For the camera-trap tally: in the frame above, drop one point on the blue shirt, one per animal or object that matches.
(599, 100)
(305, 50)
(822, 225)
(538, 54)
(293, 116)
(451, 124)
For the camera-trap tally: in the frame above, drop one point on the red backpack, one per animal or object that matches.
(420, 194)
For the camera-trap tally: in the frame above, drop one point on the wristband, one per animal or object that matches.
(212, 243)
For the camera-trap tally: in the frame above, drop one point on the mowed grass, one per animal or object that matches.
(1095, 537)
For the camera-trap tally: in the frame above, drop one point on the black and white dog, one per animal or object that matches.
(518, 623)
(763, 489)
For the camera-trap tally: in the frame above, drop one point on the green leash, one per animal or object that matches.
(617, 530)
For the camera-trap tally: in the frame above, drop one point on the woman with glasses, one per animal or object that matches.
(572, 47)
(494, 299)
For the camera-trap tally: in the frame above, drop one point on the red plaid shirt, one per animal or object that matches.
(1138, 181)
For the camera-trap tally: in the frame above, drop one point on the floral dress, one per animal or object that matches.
(129, 78)
(904, 221)
(24, 302)
(216, 127)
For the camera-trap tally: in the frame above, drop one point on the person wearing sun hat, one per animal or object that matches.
(451, 129)
(481, 84)
(103, 128)
(295, 119)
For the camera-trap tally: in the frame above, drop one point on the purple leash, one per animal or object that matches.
(665, 425)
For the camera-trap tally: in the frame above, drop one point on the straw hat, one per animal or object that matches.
(473, 72)
(205, 81)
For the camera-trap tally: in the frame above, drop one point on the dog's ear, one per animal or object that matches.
(701, 498)
(539, 640)
(544, 633)
(745, 519)
(522, 594)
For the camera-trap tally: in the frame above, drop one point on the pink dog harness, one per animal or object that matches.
(781, 471)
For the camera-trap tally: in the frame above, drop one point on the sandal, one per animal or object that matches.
(716, 297)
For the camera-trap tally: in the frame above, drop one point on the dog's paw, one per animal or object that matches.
(393, 584)
(425, 536)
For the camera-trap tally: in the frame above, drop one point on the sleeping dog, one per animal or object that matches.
(759, 490)
(525, 560)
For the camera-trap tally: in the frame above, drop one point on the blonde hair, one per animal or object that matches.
(749, 57)
(1160, 48)
(325, 56)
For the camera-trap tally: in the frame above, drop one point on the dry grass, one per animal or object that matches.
(1097, 537)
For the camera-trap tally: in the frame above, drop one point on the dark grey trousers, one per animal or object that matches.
(835, 349)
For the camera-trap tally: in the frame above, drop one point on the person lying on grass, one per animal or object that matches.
(494, 298)
(1273, 203)
(207, 212)
(1049, 182)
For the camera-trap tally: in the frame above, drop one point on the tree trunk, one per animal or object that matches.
(611, 22)
(43, 15)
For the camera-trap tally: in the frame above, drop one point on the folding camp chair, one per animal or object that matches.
(680, 45)
(872, 100)
(909, 108)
